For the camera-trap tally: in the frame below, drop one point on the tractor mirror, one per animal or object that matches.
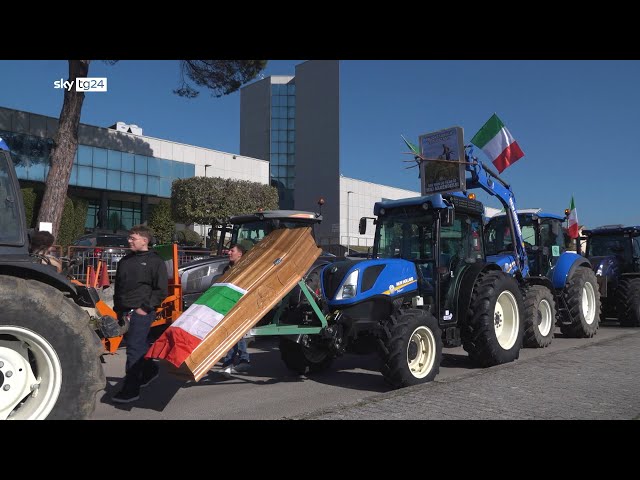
(448, 217)
(362, 226)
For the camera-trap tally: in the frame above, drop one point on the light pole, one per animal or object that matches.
(207, 227)
(348, 222)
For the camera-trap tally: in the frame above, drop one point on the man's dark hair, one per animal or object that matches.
(143, 231)
(239, 247)
(41, 240)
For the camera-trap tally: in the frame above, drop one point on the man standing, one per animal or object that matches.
(240, 348)
(140, 287)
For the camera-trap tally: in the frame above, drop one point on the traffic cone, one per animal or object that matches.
(91, 276)
(103, 280)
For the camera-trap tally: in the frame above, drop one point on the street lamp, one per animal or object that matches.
(348, 221)
(208, 226)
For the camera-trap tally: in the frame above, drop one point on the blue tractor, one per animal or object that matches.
(426, 286)
(560, 287)
(614, 252)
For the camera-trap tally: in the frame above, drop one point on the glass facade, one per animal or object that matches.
(120, 215)
(98, 168)
(283, 136)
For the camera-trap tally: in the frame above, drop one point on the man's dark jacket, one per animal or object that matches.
(141, 282)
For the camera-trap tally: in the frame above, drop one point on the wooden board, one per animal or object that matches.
(267, 272)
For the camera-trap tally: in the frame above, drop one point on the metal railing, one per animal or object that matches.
(85, 257)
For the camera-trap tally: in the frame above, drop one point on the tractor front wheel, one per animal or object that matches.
(414, 346)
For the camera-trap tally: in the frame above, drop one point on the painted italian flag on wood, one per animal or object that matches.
(497, 143)
(186, 333)
(573, 221)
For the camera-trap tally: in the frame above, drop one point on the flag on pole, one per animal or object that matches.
(497, 143)
(573, 220)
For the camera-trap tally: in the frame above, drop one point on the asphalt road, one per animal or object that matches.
(596, 378)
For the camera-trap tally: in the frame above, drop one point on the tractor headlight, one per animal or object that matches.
(349, 287)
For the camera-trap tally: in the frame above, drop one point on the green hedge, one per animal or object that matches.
(161, 223)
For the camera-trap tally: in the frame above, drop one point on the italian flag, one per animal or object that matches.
(497, 143)
(573, 220)
(185, 334)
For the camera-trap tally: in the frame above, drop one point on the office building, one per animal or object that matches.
(119, 173)
(294, 122)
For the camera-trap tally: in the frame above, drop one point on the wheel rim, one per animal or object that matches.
(30, 375)
(421, 352)
(546, 321)
(588, 303)
(506, 319)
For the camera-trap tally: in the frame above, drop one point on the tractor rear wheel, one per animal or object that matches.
(492, 333)
(582, 297)
(49, 355)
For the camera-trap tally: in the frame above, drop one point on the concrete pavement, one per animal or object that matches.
(595, 381)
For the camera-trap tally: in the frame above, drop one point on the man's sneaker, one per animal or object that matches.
(226, 371)
(242, 367)
(149, 374)
(126, 395)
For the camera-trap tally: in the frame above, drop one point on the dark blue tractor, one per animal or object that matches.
(614, 252)
(559, 288)
(426, 286)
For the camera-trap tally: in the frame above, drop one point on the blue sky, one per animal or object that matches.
(576, 121)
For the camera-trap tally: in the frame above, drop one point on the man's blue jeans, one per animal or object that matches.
(137, 344)
(239, 349)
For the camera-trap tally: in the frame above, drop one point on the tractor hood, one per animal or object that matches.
(506, 261)
(353, 281)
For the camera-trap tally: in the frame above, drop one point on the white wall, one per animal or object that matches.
(361, 201)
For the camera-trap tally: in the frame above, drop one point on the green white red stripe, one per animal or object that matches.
(185, 334)
(573, 221)
(497, 143)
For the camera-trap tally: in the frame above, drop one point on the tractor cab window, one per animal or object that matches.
(9, 220)
(498, 235)
(461, 242)
(551, 235)
(406, 235)
(636, 247)
(248, 234)
(607, 245)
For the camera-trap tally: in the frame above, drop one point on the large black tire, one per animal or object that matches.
(628, 302)
(539, 317)
(414, 345)
(493, 330)
(303, 360)
(46, 341)
(582, 297)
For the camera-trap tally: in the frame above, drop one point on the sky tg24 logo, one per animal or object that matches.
(83, 84)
